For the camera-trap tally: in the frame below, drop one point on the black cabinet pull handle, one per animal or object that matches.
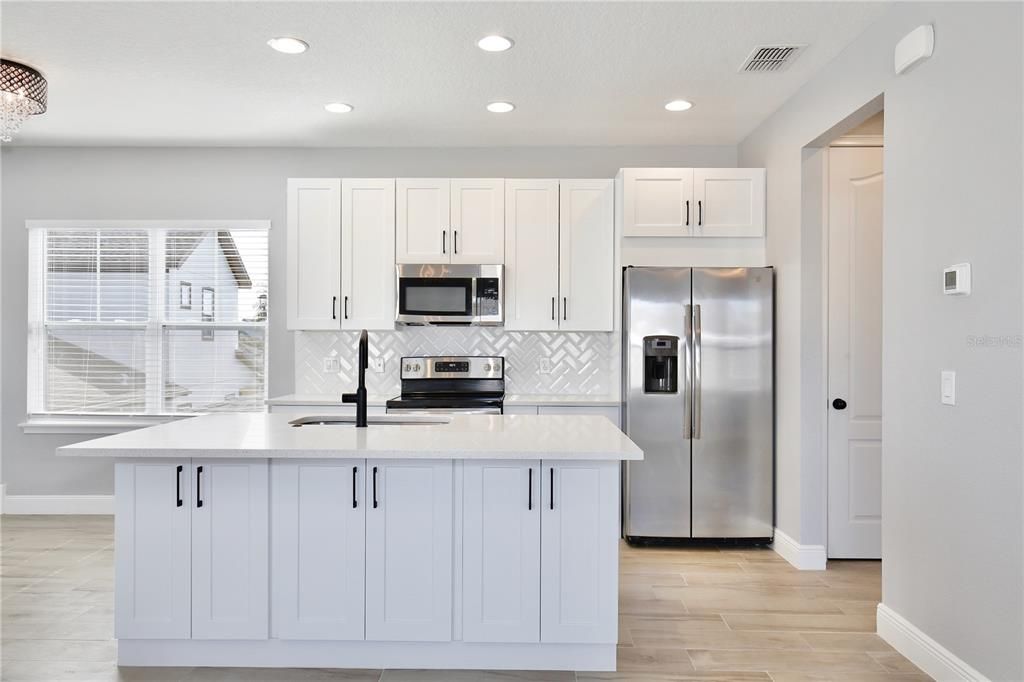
(334, 307)
(687, 211)
(455, 240)
(552, 307)
(346, 307)
(354, 503)
(444, 241)
(177, 485)
(700, 212)
(374, 487)
(551, 491)
(199, 486)
(565, 307)
(529, 497)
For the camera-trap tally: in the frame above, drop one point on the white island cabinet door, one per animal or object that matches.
(368, 254)
(579, 552)
(423, 233)
(230, 549)
(318, 514)
(658, 202)
(501, 551)
(531, 255)
(313, 264)
(586, 254)
(478, 221)
(151, 533)
(730, 201)
(409, 550)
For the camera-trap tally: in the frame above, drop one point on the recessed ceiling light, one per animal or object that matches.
(500, 107)
(678, 105)
(338, 107)
(494, 43)
(288, 45)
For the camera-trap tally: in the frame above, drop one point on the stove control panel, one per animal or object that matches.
(452, 367)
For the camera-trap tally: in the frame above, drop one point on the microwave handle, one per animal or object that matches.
(475, 304)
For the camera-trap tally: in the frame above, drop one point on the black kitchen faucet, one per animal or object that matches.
(359, 397)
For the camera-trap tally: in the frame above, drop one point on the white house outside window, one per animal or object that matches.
(147, 318)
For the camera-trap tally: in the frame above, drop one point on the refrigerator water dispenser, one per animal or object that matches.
(661, 364)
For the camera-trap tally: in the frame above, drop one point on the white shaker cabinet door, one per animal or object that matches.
(422, 220)
(730, 201)
(368, 254)
(531, 255)
(230, 549)
(318, 515)
(409, 550)
(478, 221)
(501, 551)
(152, 576)
(579, 552)
(658, 202)
(586, 255)
(313, 270)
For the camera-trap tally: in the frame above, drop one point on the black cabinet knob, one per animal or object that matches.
(839, 404)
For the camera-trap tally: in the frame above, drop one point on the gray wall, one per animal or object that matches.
(952, 476)
(162, 183)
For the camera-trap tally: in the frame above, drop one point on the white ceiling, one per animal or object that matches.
(587, 73)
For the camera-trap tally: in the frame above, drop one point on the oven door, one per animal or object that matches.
(436, 300)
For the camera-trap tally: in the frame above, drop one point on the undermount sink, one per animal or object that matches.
(385, 420)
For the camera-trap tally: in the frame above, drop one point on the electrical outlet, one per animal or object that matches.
(332, 365)
(377, 365)
(544, 366)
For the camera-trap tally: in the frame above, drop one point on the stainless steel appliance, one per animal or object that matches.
(698, 398)
(441, 294)
(449, 384)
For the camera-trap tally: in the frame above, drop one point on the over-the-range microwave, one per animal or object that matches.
(441, 294)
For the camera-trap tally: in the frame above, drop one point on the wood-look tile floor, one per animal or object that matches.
(686, 614)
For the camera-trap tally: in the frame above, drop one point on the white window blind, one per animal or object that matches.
(147, 318)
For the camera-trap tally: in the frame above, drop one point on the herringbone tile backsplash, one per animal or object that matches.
(584, 364)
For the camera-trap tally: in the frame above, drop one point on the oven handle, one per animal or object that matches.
(443, 410)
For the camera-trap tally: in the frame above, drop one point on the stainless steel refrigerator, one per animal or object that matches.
(698, 398)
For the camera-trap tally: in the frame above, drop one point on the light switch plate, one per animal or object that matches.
(332, 365)
(948, 387)
(377, 365)
(544, 366)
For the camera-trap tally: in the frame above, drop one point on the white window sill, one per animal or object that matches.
(89, 425)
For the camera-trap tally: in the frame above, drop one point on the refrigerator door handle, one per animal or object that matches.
(696, 371)
(687, 353)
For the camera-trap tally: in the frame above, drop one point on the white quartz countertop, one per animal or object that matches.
(564, 437)
(510, 399)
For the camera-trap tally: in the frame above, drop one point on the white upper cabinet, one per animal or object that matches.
(693, 202)
(423, 220)
(409, 527)
(318, 513)
(313, 270)
(230, 549)
(152, 583)
(730, 201)
(478, 221)
(658, 202)
(368, 254)
(531, 255)
(586, 255)
(501, 551)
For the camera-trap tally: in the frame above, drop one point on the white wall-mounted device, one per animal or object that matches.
(948, 387)
(956, 279)
(915, 46)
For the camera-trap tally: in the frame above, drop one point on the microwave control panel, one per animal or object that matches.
(488, 294)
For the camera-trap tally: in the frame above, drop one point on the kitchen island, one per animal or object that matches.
(467, 541)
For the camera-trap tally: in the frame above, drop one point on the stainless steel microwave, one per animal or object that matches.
(440, 294)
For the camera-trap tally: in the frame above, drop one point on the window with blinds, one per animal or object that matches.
(147, 318)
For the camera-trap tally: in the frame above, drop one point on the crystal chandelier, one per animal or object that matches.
(22, 94)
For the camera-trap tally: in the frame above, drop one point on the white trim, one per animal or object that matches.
(858, 141)
(281, 653)
(147, 224)
(803, 557)
(90, 425)
(3, 494)
(58, 504)
(922, 650)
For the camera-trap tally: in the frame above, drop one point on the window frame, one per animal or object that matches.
(159, 322)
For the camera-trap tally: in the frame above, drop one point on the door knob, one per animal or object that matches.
(839, 404)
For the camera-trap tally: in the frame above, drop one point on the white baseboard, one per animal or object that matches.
(922, 650)
(3, 494)
(57, 504)
(804, 557)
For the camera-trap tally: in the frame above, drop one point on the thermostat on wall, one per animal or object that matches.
(956, 279)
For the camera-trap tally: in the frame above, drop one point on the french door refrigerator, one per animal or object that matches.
(698, 399)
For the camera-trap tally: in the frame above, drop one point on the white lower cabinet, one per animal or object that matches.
(230, 549)
(501, 551)
(409, 550)
(579, 552)
(318, 514)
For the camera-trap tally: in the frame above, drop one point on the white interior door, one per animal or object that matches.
(531, 255)
(855, 353)
(368, 253)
